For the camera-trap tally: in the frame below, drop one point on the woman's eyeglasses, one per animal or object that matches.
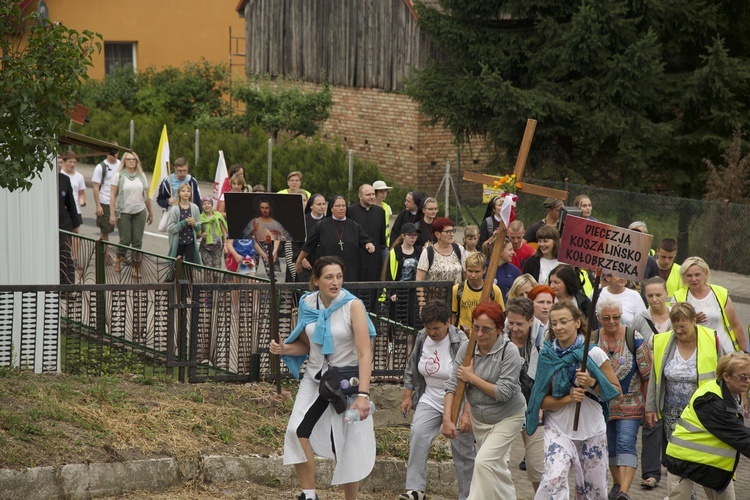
(484, 329)
(607, 319)
(560, 322)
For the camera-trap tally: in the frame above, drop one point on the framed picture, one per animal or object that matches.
(256, 215)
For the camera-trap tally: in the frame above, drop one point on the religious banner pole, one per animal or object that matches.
(587, 336)
(276, 363)
(604, 249)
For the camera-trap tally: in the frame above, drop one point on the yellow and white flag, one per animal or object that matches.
(161, 165)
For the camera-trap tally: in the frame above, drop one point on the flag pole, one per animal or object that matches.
(587, 337)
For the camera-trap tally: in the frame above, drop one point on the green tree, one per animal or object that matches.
(283, 108)
(620, 88)
(42, 66)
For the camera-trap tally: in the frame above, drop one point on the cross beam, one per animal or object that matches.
(523, 155)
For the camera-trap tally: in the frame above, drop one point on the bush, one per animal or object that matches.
(187, 93)
(326, 167)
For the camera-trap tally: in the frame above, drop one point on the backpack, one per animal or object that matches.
(632, 344)
(431, 253)
(460, 293)
(105, 170)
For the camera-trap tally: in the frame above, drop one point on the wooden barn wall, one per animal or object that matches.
(353, 43)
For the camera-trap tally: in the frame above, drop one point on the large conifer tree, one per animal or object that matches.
(628, 94)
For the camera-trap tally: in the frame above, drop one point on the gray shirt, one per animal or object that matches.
(501, 366)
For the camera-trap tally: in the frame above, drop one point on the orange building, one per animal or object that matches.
(155, 33)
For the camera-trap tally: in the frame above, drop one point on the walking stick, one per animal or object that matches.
(489, 280)
(276, 360)
(587, 336)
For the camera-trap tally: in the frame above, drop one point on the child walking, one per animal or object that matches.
(466, 294)
(471, 237)
(214, 227)
(184, 224)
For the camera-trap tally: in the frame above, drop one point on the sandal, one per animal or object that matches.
(650, 483)
(613, 492)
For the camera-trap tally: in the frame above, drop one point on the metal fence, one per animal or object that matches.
(101, 262)
(714, 230)
(205, 323)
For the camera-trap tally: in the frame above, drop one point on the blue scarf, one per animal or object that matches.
(322, 333)
(560, 365)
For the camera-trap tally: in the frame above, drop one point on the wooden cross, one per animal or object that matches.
(523, 155)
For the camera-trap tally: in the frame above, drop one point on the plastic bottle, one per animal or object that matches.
(351, 416)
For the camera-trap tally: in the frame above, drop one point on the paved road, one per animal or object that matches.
(739, 286)
(156, 242)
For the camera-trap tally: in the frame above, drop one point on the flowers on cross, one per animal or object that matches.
(508, 184)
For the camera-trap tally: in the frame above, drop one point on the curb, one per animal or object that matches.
(82, 481)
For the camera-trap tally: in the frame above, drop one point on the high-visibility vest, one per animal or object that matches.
(388, 212)
(722, 296)
(691, 441)
(586, 285)
(674, 280)
(707, 355)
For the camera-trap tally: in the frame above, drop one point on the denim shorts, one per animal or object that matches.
(621, 439)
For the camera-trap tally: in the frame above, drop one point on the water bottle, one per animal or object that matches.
(351, 416)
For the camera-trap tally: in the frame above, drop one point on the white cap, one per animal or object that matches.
(380, 185)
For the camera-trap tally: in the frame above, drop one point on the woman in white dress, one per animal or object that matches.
(332, 330)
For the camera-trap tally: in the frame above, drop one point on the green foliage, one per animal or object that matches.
(118, 89)
(187, 93)
(42, 66)
(283, 108)
(325, 167)
(191, 97)
(619, 88)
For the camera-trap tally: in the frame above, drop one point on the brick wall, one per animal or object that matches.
(386, 128)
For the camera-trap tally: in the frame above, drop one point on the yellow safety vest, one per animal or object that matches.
(588, 288)
(388, 212)
(707, 355)
(722, 296)
(674, 280)
(691, 441)
(286, 191)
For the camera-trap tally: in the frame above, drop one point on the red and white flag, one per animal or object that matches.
(508, 210)
(219, 178)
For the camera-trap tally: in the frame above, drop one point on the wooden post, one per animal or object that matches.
(587, 336)
(497, 249)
